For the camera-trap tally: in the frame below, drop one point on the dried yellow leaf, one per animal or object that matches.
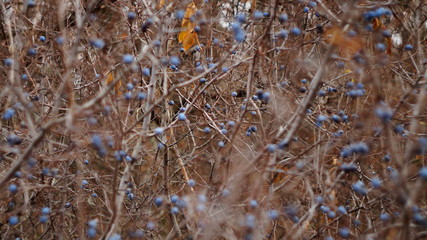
(187, 36)
(110, 79)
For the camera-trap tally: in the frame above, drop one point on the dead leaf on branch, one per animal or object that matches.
(187, 36)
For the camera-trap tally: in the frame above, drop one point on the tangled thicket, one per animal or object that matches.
(212, 119)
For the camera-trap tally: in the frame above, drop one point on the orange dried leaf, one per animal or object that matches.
(345, 43)
(110, 79)
(161, 4)
(187, 36)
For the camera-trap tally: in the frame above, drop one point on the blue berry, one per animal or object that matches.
(8, 114)
(312, 4)
(408, 47)
(207, 130)
(191, 183)
(174, 60)
(42, 38)
(385, 217)
(253, 203)
(271, 148)
(146, 72)
(97, 43)
(384, 113)
(221, 144)
(179, 14)
(283, 18)
(296, 31)
(342, 210)
(13, 140)
(324, 209)
(158, 131)
(128, 59)
(60, 40)
(13, 220)
(45, 210)
(158, 201)
(423, 173)
(141, 96)
(13, 188)
(258, 14)
(344, 232)
(31, 52)
(234, 94)
(318, 199)
(241, 18)
(359, 187)
(43, 219)
(8, 62)
(380, 47)
(306, 9)
(174, 199)
(131, 15)
(129, 86)
(174, 210)
(376, 182)
(182, 117)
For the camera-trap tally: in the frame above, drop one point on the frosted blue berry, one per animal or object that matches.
(174, 199)
(423, 173)
(179, 14)
(146, 72)
(174, 210)
(8, 62)
(60, 40)
(191, 183)
(174, 60)
(45, 210)
(13, 188)
(376, 182)
(8, 114)
(158, 131)
(296, 31)
(182, 117)
(158, 201)
(408, 47)
(128, 59)
(342, 210)
(141, 96)
(344, 232)
(283, 18)
(13, 220)
(359, 187)
(258, 14)
(253, 203)
(385, 217)
(97, 43)
(271, 148)
(43, 219)
(273, 214)
(42, 38)
(91, 232)
(131, 15)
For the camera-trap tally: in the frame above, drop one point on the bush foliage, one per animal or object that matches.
(211, 119)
